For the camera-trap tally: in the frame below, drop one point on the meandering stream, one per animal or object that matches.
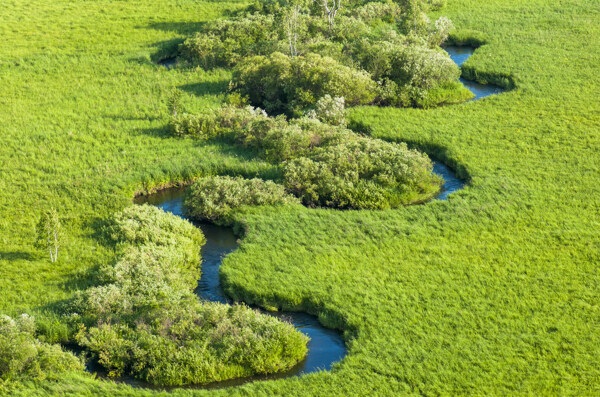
(326, 346)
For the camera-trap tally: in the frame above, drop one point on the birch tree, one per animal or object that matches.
(331, 8)
(291, 28)
(49, 233)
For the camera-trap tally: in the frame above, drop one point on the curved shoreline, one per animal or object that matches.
(460, 54)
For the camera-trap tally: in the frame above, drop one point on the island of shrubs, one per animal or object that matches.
(286, 55)
(144, 320)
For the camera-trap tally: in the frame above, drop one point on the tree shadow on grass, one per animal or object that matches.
(16, 256)
(206, 87)
(184, 28)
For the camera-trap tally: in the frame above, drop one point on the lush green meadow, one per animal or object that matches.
(494, 291)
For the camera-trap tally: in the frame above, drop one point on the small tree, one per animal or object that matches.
(174, 101)
(49, 233)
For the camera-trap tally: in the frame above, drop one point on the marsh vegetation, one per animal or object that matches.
(493, 291)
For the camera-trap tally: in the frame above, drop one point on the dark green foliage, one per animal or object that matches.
(330, 58)
(145, 321)
(225, 42)
(24, 357)
(411, 75)
(215, 198)
(363, 173)
(280, 84)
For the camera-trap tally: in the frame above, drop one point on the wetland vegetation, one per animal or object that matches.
(493, 291)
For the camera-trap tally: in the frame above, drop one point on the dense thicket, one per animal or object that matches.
(323, 165)
(145, 321)
(284, 85)
(286, 56)
(362, 173)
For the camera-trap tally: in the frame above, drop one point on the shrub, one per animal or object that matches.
(364, 173)
(215, 123)
(144, 277)
(280, 84)
(146, 224)
(225, 42)
(440, 31)
(214, 198)
(144, 319)
(22, 356)
(374, 13)
(329, 110)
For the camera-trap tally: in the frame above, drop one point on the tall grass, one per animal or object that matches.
(491, 292)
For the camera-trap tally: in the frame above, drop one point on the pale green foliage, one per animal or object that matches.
(329, 110)
(213, 123)
(375, 12)
(23, 356)
(215, 198)
(439, 31)
(49, 233)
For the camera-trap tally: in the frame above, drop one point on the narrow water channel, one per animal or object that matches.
(460, 55)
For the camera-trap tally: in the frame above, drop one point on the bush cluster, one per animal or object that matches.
(376, 52)
(145, 321)
(276, 139)
(323, 165)
(223, 43)
(23, 356)
(214, 198)
(281, 84)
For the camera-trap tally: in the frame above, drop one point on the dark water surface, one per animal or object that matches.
(451, 182)
(459, 55)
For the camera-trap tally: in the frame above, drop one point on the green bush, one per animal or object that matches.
(225, 42)
(214, 198)
(364, 173)
(280, 84)
(23, 357)
(214, 123)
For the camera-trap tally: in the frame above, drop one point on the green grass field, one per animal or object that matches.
(494, 291)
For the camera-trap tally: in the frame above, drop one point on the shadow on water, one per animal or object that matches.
(460, 54)
(451, 182)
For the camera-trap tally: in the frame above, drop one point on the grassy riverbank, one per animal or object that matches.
(492, 292)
